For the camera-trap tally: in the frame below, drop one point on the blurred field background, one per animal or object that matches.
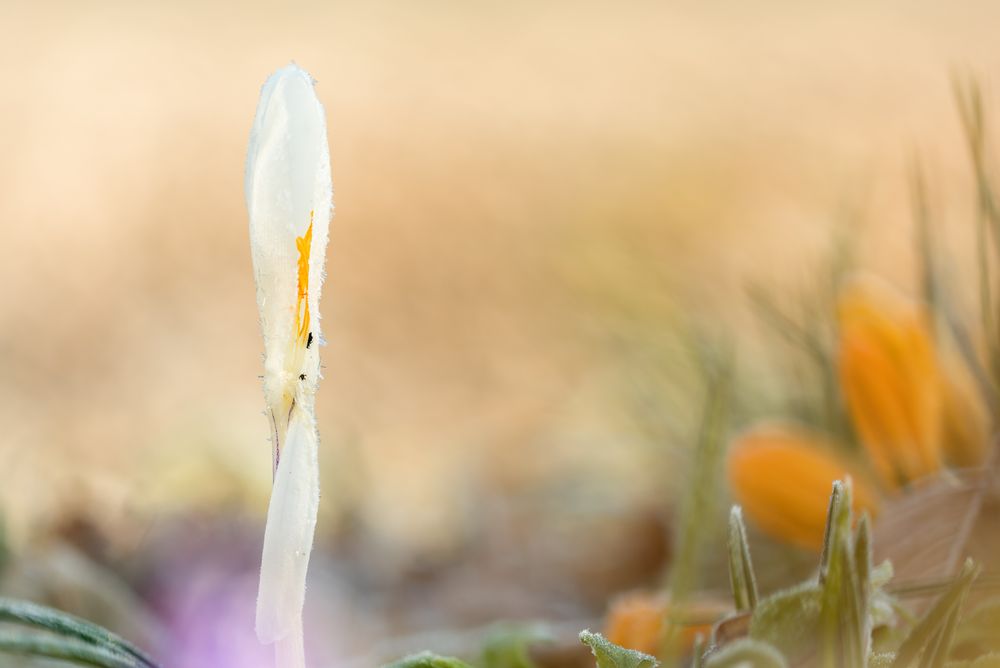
(534, 203)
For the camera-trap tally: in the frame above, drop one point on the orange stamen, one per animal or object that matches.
(304, 245)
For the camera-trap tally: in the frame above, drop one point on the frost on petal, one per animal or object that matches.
(288, 536)
(290, 201)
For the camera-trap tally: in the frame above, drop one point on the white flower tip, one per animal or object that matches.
(287, 140)
(290, 201)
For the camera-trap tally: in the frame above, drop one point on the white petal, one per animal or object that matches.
(287, 189)
(289, 652)
(288, 537)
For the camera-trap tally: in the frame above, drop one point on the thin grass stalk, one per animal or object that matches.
(698, 507)
(969, 100)
(929, 274)
(701, 494)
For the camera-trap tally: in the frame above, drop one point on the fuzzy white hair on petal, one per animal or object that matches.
(289, 199)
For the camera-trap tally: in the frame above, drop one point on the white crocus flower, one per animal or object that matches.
(290, 201)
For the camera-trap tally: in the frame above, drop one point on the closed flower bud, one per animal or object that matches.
(782, 477)
(641, 620)
(890, 380)
(290, 201)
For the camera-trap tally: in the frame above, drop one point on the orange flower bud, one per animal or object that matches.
(638, 621)
(890, 380)
(782, 476)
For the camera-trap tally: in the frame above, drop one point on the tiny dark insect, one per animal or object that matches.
(309, 341)
(302, 376)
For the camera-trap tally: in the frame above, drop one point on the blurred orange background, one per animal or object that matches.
(516, 185)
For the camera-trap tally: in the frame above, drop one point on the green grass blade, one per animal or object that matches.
(71, 651)
(936, 621)
(61, 623)
(741, 574)
(839, 500)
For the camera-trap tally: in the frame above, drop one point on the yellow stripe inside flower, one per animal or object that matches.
(304, 245)
(782, 476)
(282, 413)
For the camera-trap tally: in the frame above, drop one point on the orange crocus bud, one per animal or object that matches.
(639, 621)
(890, 380)
(964, 422)
(782, 476)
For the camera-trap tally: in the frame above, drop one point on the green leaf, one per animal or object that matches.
(746, 653)
(841, 612)
(507, 646)
(934, 633)
(865, 588)
(741, 574)
(789, 620)
(838, 524)
(71, 651)
(428, 660)
(610, 655)
(63, 624)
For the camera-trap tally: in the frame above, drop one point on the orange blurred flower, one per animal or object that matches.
(638, 621)
(782, 476)
(890, 379)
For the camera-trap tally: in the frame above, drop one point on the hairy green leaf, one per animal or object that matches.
(428, 660)
(610, 655)
(790, 620)
(746, 653)
(507, 646)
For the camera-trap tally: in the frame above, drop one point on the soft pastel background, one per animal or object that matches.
(534, 201)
